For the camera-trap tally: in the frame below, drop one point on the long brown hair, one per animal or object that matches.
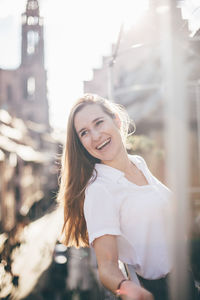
(77, 169)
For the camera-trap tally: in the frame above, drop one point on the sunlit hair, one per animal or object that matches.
(78, 167)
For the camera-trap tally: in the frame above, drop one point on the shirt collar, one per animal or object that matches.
(108, 172)
(113, 173)
(136, 160)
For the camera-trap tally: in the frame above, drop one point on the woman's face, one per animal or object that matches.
(98, 132)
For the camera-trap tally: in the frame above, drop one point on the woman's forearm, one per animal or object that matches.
(110, 276)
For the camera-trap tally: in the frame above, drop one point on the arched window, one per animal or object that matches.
(32, 39)
(30, 86)
(32, 20)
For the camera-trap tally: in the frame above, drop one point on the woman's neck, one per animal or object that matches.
(121, 162)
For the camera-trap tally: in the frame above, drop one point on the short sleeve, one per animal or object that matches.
(101, 211)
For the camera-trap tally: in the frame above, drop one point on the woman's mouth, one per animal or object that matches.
(103, 144)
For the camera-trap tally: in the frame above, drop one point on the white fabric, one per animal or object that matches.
(137, 215)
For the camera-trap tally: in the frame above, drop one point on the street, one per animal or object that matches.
(48, 270)
(35, 253)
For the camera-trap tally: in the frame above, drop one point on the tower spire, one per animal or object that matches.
(35, 103)
(32, 34)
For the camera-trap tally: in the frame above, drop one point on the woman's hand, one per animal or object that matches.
(131, 291)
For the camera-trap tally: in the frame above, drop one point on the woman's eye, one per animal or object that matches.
(99, 122)
(83, 133)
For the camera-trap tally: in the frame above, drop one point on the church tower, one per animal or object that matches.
(32, 35)
(35, 102)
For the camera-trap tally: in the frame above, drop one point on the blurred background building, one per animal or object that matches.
(27, 143)
(29, 150)
(23, 90)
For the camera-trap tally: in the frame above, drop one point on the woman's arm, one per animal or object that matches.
(110, 275)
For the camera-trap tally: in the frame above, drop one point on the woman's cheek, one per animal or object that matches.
(86, 144)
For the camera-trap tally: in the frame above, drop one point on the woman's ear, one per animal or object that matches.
(117, 121)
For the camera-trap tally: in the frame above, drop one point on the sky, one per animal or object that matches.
(77, 34)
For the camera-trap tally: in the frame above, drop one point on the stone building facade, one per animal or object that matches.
(23, 91)
(28, 145)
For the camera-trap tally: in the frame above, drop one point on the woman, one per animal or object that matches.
(112, 201)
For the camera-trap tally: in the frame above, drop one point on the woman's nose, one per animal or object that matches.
(96, 135)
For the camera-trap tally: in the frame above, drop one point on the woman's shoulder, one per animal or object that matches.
(97, 195)
(94, 184)
(95, 187)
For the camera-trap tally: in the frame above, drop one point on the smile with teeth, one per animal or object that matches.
(102, 145)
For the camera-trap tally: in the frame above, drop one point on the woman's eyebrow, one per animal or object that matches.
(93, 121)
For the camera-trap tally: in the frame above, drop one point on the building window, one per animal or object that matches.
(32, 5)
(33, 39)
(30, 86)
(32, 20)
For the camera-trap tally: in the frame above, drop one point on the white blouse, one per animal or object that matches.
(137, 215)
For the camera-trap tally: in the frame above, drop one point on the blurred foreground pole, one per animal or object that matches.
(197, 88)
(173, 45)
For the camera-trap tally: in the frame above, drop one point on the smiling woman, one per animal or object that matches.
(94, 134)
(99, 133)
(113, 203)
